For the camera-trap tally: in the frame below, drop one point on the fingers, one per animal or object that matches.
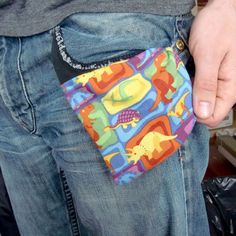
(212, 45)
(205, 85)
(222, 108)
(225, 91)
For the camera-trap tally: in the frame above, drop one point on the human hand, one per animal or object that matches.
(212, 44)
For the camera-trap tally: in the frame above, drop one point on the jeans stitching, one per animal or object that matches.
(185, 54)
(32, 111)
(179, 25)
(84, 66)
(70, 206)
(181, 157)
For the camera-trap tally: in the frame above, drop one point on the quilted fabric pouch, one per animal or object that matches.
(137, 111)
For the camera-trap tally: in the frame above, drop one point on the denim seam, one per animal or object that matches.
(181, 156)
(174, 36)
(67, 58)
(179, 21)
(32, 111)
(184, 54)
(70, 205)
(179, 152)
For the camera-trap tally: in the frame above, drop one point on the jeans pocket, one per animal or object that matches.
(89, 48)
(70, 37)
(132, 107)
(96, 37)
(66, 63)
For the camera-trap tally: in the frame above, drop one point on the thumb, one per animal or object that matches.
(205, 86)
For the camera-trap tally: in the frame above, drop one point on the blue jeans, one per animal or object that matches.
(40, 134)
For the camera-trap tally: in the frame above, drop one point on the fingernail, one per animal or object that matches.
(204, 108)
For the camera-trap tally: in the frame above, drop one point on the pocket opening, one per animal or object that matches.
(80, 67)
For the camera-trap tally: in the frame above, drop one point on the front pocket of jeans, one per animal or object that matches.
(89, 52)
(97, 37)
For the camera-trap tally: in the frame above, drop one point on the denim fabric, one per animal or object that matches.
(14, 15)
(27, 163)
(39, 133)
(8, 225)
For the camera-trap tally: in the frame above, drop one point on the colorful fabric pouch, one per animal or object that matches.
(137, 111)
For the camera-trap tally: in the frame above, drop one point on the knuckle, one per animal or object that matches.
(216, 121)
(213, 124)
(229, 96)
(208, 85)
(232, 99)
